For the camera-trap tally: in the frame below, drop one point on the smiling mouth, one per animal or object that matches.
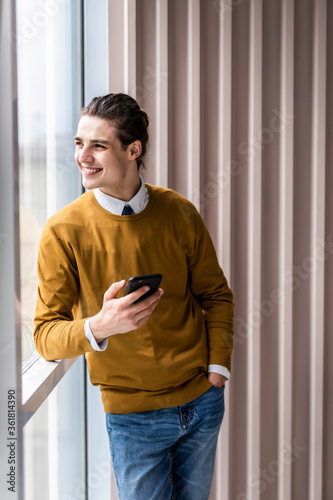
(89, 171)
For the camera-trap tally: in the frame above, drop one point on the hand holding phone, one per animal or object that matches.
(115, 317)
(151, 280)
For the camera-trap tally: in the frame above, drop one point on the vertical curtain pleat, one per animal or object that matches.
(285, 247)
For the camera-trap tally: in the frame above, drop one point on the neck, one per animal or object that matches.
(125, 190)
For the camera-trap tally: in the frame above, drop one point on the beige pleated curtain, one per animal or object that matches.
(239, 93)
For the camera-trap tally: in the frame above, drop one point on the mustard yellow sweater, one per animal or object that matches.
(84, 248)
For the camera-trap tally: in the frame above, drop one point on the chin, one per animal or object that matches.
(89, 183)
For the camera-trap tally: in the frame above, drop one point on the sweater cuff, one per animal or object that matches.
(220, 347)
(221, 370)
(91, 339)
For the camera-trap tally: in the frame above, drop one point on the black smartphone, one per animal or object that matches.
(152, 280)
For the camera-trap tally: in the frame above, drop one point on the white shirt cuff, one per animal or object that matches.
(91, 339)
(221, 370)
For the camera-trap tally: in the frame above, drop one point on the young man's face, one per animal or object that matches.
(100, 157)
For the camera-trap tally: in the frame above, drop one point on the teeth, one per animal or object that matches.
(91, 170)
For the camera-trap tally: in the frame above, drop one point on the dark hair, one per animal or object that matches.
(130, 121)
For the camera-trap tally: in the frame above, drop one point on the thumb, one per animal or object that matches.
(111, 292)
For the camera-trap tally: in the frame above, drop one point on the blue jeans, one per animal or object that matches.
(169, 453)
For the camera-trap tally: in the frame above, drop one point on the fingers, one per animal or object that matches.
(146, 307)
(125, 309)
(111, 292)
(134, 296)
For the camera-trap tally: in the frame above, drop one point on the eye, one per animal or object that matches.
(99, 146)
(78, 143)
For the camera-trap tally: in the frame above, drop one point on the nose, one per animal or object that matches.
(84, 155)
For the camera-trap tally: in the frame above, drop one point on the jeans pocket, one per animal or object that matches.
(218, 388)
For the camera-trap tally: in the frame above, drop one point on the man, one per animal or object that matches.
(161, 363)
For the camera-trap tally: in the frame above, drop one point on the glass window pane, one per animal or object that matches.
(49, 101)
(96, 49)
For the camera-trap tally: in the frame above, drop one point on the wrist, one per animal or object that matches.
(97, 329)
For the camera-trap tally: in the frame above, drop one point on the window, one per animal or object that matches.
(38, 176)
(49, 79)
(49, 101)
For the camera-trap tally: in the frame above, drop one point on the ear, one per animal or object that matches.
(135, 150)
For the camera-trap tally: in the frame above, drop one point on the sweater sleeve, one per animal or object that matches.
(210, 288)
(57, 334)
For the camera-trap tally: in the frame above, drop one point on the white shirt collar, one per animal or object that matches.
(115, 206)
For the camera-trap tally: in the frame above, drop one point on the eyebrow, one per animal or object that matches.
(94, 141)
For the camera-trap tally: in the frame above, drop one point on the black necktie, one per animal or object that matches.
(127, 210)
